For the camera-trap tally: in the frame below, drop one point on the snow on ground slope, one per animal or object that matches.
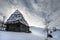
(37, 34)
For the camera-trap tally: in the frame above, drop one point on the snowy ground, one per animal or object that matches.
(37, 34)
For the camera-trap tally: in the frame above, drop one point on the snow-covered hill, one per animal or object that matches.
(37, 34)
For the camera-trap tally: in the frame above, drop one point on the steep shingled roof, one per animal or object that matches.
(16, 16)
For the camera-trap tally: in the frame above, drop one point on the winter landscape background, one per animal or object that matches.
(37, 13)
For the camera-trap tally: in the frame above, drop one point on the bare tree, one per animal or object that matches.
(3, 26)
(48, 20)
(47, 23)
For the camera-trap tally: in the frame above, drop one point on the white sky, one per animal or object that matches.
(32, 10)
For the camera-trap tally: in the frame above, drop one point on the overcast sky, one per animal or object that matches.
(34, 11)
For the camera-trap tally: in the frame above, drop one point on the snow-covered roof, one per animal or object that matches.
(17, 16)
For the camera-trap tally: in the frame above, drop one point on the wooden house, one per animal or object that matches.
(17, 23)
